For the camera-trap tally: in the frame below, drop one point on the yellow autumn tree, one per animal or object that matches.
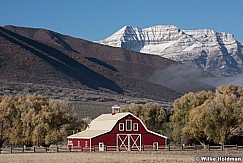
(215, 120)
(182, 107)
(29, 120)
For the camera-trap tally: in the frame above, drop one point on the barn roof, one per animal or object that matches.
(103, 124)
(100, 125)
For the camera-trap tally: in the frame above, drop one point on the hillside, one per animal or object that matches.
(136, 65)
(43, 62)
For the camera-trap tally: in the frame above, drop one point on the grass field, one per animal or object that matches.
(79, 157)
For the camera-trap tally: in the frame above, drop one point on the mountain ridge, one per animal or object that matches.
(90, 75)
(112, 63)
(215, 52)
(50, 64)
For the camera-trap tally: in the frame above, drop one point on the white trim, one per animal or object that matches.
(156, 134)
(90, 145)
(78, 143)
(86, 143)
(128, 142)
(132, 141)
(123, 126)
(117, 148)
(122, 140)
(130, 124)
(128, 113)
(134, 127)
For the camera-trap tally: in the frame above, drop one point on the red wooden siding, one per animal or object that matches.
(82, 143)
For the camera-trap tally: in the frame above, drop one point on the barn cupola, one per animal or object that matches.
(115, 109)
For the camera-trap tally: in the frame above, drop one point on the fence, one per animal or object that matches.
(115, 148)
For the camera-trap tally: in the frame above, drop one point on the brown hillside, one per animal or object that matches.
(26, 60)
(135, 65)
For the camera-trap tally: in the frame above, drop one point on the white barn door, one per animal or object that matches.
(128, 142)
(101, 146)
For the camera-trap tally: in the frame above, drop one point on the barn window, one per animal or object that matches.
(128, 125)
(121, 126)
(70, 142)
(135, 126)
(86, 143)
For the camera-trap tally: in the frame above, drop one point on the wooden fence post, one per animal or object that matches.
(169, 147)
(195, 147)
(57, 150)
(70, 149)
(237, 147)
(23, 149)
(182, 147)
(46, 149)
(208, 147)
(222, 147)
(34, 149)
(11, 150)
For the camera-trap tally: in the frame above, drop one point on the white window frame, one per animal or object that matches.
(130, 125)
(86, 143)
(121, 124)
(70, 142)
(135, 124)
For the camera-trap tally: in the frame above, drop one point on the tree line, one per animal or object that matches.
(207, 117)
(35, 120)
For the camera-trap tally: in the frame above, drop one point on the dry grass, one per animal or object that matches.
(165, 156)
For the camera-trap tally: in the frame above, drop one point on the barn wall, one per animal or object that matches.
(82, 142)
(109, 139)
(149, 139)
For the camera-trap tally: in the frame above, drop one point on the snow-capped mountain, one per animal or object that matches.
(216, 52)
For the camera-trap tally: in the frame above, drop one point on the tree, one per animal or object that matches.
(182, 107)
(54, 122)
(32, 120)
(215, 120)
(7, 110)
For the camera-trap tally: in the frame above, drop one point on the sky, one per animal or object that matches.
(97, 19)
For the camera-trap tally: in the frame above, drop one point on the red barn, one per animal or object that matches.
(122, 131)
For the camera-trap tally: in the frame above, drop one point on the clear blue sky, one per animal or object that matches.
(97, 19)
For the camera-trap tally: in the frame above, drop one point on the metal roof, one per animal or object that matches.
(87, 134)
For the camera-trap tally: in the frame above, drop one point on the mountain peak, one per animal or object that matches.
(163, 27)
(216, 52)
